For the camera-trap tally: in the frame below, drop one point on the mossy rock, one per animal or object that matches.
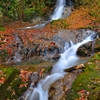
(11, 89)
(88, 80)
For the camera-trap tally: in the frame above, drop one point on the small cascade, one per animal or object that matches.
(68, 59)
(58, 10)
(17, 56)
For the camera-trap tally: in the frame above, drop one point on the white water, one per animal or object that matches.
(58, 10)
(68, 59)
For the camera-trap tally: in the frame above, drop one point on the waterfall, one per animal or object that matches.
(58, 10)
(57, 14)
(68, 59)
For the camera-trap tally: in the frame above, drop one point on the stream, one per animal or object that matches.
(67, 60)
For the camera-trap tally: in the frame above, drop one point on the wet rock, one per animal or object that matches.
(34, 77)
(56, 57)
(85, 50)
(61, 87)
(51, 52)
(70, 37)
(67, 12)
(80, 66)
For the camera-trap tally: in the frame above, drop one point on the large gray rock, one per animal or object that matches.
(67, 37)
(67, 12)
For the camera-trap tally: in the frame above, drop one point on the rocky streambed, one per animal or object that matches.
(24, 57)
(49, 49)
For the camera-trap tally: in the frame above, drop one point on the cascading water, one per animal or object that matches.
(68, 59)
(57, 14)
(58, 10)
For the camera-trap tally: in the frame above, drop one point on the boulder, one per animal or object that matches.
(65, 38)
(67, 12)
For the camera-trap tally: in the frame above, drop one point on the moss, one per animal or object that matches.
(15, 91)
(88, 27)
(96, 57)
(3, 54)
(88, 80)
(94, 95)
(10, 73)
(11, 87)
(60, 23)
(47, 69)
(2, 28)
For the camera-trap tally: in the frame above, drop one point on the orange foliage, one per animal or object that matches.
(24, 75)
(2, 79)
(80, 18)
